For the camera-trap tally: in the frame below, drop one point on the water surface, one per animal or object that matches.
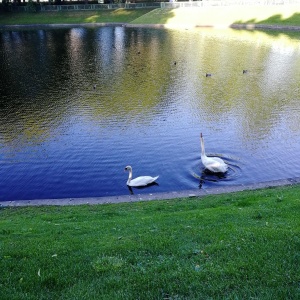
(79, 104)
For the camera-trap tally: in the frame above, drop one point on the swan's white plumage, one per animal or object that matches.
(213, 164)
(139, 181)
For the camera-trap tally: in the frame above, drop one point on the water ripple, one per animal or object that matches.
(232, 174)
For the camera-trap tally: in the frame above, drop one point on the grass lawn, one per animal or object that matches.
(73, 17)
(237, 246)
(271, 15)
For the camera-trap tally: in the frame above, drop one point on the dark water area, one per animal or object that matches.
(77, 105)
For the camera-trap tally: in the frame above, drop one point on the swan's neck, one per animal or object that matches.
(129, 176)
(202, 148)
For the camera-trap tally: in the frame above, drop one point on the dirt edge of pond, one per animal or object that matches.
(163, 26)
(153, 196)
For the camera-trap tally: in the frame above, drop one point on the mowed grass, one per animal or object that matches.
(237, 246)
(73, 17)
(227, 15)
(195, 16)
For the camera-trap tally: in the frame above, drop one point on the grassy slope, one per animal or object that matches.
(279, 14)
(282, 15)
(103, 16)
(236, 246)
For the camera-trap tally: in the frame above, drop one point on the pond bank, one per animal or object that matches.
(155, 196)
(162, 26)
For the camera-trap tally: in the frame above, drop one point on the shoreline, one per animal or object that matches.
(199, 193)
(245, 26)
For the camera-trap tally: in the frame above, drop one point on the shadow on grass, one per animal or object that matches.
(280, 23)
(277, 19)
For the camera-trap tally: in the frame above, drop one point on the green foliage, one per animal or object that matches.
(236, 246)
(31, 6)
(4, 6)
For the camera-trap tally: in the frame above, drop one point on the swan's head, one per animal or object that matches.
(128, 168)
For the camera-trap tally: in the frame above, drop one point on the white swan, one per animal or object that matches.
(139, 181)
(213, 164)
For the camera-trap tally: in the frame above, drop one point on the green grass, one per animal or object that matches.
(271, 15)
(236, 246)
(68, 17)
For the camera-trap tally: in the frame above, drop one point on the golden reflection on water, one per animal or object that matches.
(138, 77)
(272, 61)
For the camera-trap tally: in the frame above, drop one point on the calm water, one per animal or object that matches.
(78, 105)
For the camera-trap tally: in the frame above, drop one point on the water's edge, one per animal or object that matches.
(248, 26)
(155, 196)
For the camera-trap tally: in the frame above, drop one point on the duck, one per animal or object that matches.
(213, 164)
(139, 181)
(207, 74)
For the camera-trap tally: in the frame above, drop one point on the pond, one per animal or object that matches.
(79, 104)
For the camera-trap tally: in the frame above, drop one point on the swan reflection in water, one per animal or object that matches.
(207, 175)
(141, 187)
(233, 171)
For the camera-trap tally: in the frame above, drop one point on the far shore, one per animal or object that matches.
(158, 26)
(250, 17)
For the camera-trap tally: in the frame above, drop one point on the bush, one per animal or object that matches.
(4, 6)
(31, 6)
